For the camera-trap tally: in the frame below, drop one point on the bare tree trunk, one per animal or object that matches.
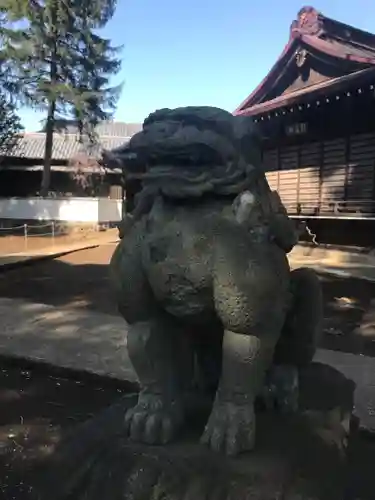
(50, 125)
(46, 179)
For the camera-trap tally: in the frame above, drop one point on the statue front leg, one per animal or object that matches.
(231, 426)
(251, 304)
(162, 363)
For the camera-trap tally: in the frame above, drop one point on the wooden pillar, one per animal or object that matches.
(321, 167)
(373, 188)
(278, 168)
(347, 165)
(298, 175)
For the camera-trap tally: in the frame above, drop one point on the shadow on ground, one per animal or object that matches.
(38, 407)
(349, 314)
(80, 282)
(43, 444)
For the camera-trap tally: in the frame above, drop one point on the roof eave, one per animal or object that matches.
(261, 89)
(310, 37)
(362, 77)
(314, 43)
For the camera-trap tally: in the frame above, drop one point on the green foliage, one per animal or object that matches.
(59, 63)
(10, 126)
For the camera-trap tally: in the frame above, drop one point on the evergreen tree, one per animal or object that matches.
(10, 124)
(62, 64)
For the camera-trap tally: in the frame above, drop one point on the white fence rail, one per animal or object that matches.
(29, 238)
(79, 210)
(43, 238)
(23, 237)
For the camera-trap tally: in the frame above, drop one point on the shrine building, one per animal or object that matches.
(316, 116)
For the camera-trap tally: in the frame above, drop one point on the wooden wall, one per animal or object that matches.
(312, 177)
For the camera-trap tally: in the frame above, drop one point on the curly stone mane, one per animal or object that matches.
(193, 151)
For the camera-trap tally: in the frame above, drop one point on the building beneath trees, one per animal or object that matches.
(75, 169)
(316, 115)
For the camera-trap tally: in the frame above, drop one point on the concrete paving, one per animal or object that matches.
(340, 262)
(68, 337)
(365, 272)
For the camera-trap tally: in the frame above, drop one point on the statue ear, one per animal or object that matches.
(243, 206)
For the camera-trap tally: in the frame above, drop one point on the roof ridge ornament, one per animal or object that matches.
(309, 22)
(301, 56)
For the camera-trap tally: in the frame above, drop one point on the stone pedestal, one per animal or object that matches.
(296, 458)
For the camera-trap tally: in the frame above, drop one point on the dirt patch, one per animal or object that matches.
(79, 279)
(34, 241)
(37, 409)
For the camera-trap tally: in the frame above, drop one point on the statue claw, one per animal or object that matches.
(230, 428)
(153, 421)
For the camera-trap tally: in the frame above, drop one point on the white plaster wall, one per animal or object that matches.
(61, 209)
(109, 210)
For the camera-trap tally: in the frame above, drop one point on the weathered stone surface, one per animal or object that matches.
(300, 457)
(203, 281)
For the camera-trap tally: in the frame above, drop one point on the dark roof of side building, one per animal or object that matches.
(66, 143)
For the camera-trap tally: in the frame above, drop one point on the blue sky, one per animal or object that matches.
(197, 52)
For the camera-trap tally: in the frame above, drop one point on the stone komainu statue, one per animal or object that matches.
(202, 279)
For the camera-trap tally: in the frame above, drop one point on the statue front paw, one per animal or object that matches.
(230, 428)
(153, 420)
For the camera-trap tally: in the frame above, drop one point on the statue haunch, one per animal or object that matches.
(203, 281)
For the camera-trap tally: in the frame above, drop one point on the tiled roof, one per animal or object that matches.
(66, 144)
(118, 129)
(105, 128)
(61, 168)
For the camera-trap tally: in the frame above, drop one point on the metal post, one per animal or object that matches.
(25, 236)
(53, 233)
